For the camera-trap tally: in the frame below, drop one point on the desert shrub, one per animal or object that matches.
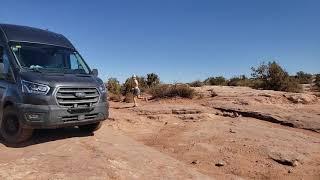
(317, 82)
(168, 91)
(273, 77)
(303, 78)
(196, 84)
(129, 84)
(114, 86)
(240, 81)
(128, 98)
(213, 93)
(220, 80)
(115, 97)
(152, 80)
(291, 85)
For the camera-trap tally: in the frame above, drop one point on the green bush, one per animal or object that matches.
(273, 77)
(303, 78)
(240, 81)
(216, 81)
(152, 80)
(317, 82)
(129, 84)
(115, 97)
(168, 91)
(114, 86)
(292, 85)
(196, 84)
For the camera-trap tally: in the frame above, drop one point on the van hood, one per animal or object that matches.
(60, 79)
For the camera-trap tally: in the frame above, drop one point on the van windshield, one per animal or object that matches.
(45, 58)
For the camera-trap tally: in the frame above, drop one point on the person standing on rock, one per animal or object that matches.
(136, 91)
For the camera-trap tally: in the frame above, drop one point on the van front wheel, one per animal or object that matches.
(11, 128)
(90, 128)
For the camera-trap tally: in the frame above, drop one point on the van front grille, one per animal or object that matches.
(73, 118)
(77, 97)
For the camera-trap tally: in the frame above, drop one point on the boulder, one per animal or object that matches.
(285, 157)
(301, 98)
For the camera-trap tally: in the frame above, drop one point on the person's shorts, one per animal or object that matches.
(136, 91)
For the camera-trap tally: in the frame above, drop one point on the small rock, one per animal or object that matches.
(220, 164)
(290, 171)
(111, 119)
(213, 94)
(195, 162)
(227, 114)
(235, 114)
(286, 158)
(231, 131)
(301, 98)
(153, 117)
(265, 95)
(186, 111)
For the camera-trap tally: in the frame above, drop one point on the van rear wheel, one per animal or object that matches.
(11, 128)
(91, 127)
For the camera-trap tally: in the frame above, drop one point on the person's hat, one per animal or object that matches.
(134, 76)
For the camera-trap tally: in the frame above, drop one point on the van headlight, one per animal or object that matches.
(34, 88)
(102, 88)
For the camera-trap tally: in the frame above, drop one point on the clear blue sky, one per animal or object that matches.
(181, 40)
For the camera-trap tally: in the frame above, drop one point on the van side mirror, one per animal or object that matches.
(94, 72)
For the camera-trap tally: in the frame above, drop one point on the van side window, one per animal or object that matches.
(75, 64)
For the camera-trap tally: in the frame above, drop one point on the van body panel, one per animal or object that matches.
(73, 99)
(17, 33)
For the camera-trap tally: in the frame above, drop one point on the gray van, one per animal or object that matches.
(45, 83)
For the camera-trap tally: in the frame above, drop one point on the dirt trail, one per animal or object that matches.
(108, 154)
(181, 139)
(200, 135)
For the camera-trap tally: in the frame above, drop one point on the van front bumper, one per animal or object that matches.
(53, 116)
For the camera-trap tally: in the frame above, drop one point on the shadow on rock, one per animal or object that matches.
(48, 135)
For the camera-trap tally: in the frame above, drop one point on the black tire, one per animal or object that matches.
(90, 128)
(11, 128)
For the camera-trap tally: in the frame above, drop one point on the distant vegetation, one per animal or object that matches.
(317, 82)
(152, 80)
(269, 76)
(273, 77)
(126, 88)
(168, 91)
(197, 83)
(241, 81)
(149, 84)
(114, 88)
(304, 78)
(217, 81)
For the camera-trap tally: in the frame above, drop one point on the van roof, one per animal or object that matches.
(16, 33)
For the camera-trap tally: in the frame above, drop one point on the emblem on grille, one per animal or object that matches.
(80, 94)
